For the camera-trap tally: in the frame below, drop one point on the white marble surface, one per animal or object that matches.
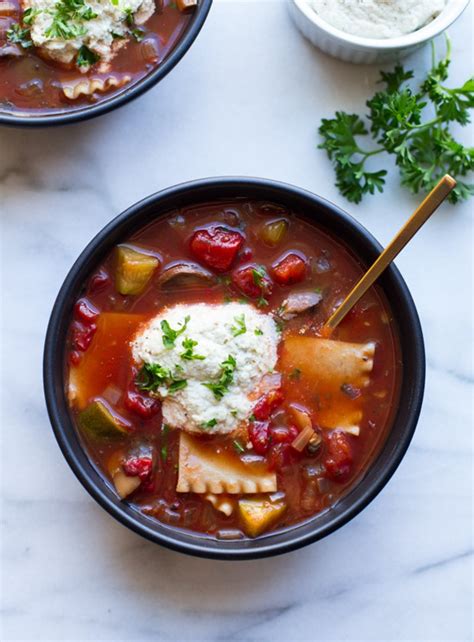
(247, 99)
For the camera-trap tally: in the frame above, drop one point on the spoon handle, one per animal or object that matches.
(411, 227)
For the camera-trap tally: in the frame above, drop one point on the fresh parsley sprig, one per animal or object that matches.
(188, 354)
(221, 386)
(18, 35)
(401, 124)
(153, 376)
(169, 335)
(240, 326)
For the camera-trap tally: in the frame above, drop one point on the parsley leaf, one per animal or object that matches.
(402, 124)
(258, 276)
(240, 327)
(238, 446)
(86, 57)
(169, 335)
(189, 354)
(258, 332)
(177, 384)
(209, 424)
(19, 36)
(29, 15)
(138, 34)
(151, 377)
(68, 18)
(221, 386)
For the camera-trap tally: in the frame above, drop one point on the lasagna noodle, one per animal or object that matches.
(88, 86)
(330, 366)
(203, 471)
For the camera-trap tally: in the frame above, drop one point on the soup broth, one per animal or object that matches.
(203, 382)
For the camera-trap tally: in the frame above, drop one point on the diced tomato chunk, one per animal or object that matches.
(259, 436)
(283, 434)
(253, 281)
(246, 254)
(144, 406)
(289, 270)
(267, 404)
(338, 460)
(99, 281)
(216, 247)
(138, 467)
(75, 357)
(82, 335)
(280, 455)
(84, 311)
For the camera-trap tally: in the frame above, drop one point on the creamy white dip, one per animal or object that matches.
(378, 18)
(219, 331)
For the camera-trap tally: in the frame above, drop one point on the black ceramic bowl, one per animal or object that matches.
(364, 246)
(122, 97)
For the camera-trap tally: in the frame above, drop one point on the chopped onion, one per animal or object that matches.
(303, 421)
(351, 430)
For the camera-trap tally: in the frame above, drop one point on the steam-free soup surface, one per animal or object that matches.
(203, 383)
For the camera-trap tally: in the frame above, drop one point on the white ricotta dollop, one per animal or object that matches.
(378, 18)
(101, 34)
(221, 330)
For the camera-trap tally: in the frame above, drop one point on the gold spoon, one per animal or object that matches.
(408, 231)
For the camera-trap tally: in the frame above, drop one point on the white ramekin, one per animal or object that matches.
(368, 50)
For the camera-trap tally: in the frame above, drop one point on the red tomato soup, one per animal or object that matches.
(58, 55)
(203, 384)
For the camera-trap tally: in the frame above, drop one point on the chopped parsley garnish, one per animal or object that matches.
(86, 57)
(19, 36)
(258, 274)
(234, 412)
(29, 15)
(239, 327)
(169, 335)
(262, 302)
(258, 332)
(221, 386)
(238, 446)
(138, 34)
(189, 354)
(209, 424)
(177, 384)
(67, 18)
(153, 376)
(129, 16)
(165, 429)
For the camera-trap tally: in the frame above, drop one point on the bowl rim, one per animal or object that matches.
(368, 487)
(122, 97)
(448, 15)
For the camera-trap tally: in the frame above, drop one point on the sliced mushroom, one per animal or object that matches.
(11, 51)
(185, 275)
(299, 302)
(8, 8)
